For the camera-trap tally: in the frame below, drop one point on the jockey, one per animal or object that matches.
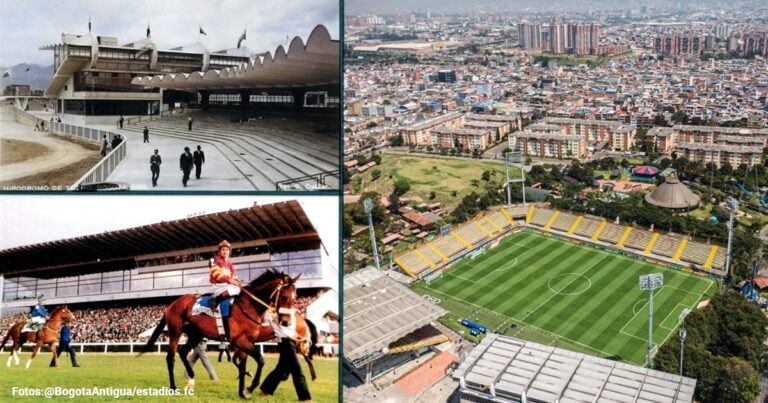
(39, 313)
(224, 279)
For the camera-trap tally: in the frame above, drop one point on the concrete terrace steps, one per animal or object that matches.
(307, 151)
(563, 222)
(719, 261)
(695, 252)
(666, 245)
(257, 156)
(612, 233)
(588, 226)
(638, 239)
(541, 217)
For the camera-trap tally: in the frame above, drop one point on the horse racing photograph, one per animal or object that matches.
(154, 299)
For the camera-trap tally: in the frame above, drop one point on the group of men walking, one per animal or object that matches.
(187, 160)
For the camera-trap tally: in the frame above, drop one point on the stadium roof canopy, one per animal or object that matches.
(315, 63)
(503, 368)
(278, 224)
(378, 311)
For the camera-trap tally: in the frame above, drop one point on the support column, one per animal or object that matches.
(245, 104)
(205, 95)
(298, 101)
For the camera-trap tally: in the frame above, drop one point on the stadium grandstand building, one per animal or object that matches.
(153, 264)
(505, 369)
(386, 325)
(96, 78)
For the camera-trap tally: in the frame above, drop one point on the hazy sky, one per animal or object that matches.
(30, 219)
(27, 25)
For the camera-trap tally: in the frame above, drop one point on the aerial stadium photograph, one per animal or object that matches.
(120, 296)
(245, 97)
(551, 202)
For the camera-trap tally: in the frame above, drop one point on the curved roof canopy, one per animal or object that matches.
(673, 194)
(313, 63)
(276, 224)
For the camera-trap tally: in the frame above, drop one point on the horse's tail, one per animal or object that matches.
(155, 335)
(7, 336)
(313, 336)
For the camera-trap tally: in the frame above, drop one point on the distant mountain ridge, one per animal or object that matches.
(38, 76)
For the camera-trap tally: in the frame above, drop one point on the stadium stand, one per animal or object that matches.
(541, 217)
(503, 368)
(588, 226)
(612, 233)
(372, 298)
(471, 233)
(412, 263)
(498, 218)
(695, 252)
(719, 261)
(638, 239)
(483, 226)
(517, 212)
(427, 252)
(563, 221)
(266, 151)
(449, 246)
(666, 245)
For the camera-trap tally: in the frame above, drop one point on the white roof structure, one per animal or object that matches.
(313, 63)
(378, 311)
(505, 369)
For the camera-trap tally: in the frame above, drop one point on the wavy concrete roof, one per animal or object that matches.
(312, 64)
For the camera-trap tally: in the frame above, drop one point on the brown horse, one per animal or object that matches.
(270, 291)
(48, 335)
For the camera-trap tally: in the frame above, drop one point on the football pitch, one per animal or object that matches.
(577, 297)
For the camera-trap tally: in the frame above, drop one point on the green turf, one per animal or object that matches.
(426, 175)
(149, 371)
(573, 296)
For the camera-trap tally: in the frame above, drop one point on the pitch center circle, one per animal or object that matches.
(569, 284)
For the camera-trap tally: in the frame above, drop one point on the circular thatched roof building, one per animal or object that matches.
(673, 195)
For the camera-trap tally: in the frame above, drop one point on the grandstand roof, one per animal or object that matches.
(276, 224)
(313, 63)
(511, 368)
(378, 311)
(673, 194)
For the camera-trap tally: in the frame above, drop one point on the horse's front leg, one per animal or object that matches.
(54, 347)
(34, 351)
(241, 368)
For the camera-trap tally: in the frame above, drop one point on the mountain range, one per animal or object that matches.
(38, 76)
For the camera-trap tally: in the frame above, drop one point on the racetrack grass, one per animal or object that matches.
(577, 297)
(425, 174)
(118, 370)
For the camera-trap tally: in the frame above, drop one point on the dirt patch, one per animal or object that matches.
(58, 179)
(13, 151)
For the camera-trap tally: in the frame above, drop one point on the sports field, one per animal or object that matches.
(558, 293)
(126, 371)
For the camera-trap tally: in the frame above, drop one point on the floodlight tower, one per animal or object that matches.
(650, 282)
(368, 205)
(733, 207)
(682, 335)
(514, 157)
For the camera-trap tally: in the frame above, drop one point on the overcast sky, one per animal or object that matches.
(31, 219)
(27, 25)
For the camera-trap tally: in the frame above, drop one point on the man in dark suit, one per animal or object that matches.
(185, 162)
(199, 158)
(287, 364)
(154, 166)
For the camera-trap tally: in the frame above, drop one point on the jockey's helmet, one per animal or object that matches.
(224, 244)
(41, 297)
